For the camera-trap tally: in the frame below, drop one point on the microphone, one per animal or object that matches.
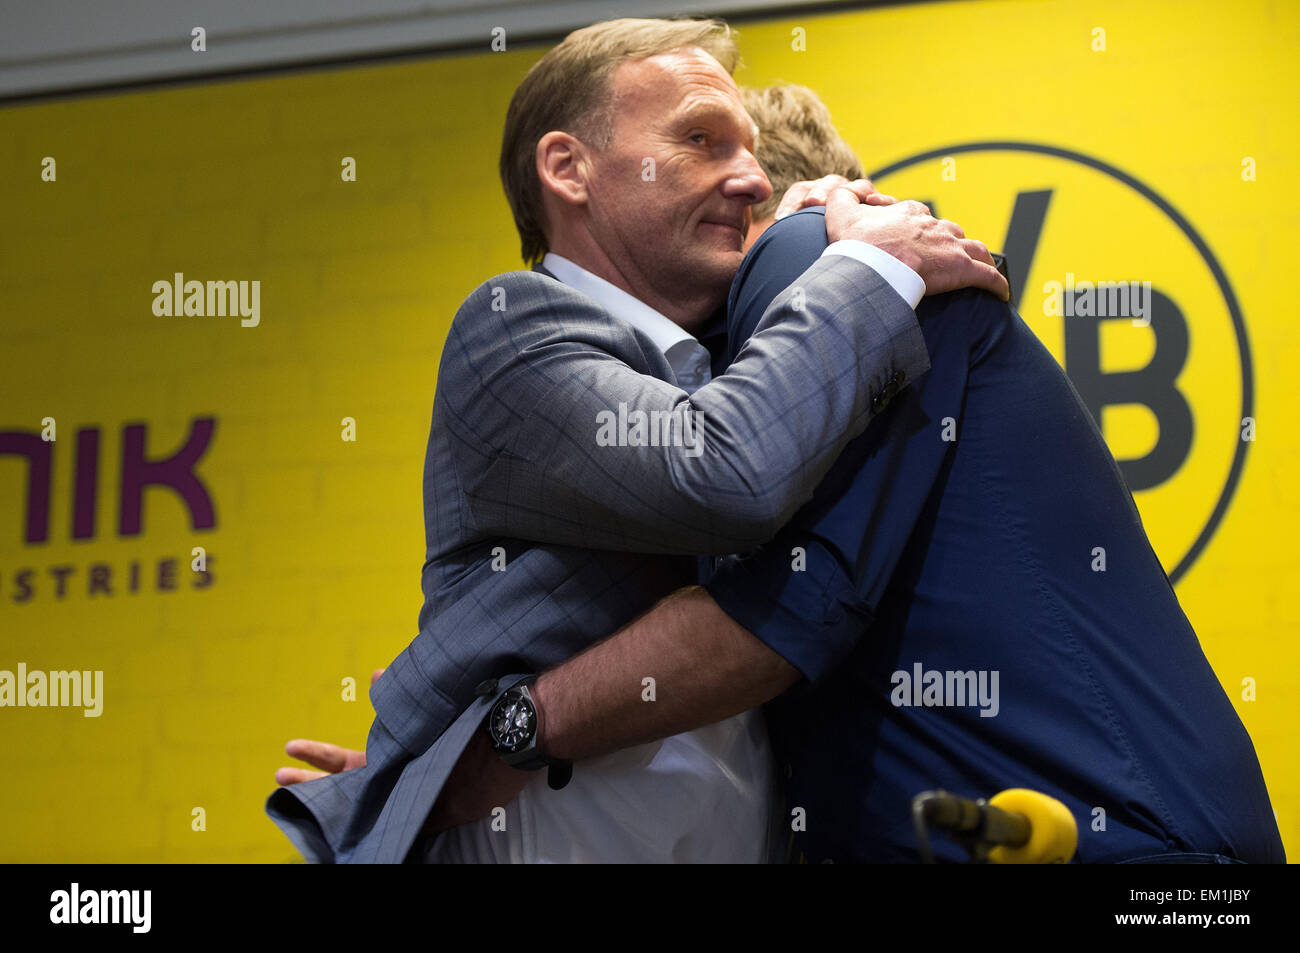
(1017, 826)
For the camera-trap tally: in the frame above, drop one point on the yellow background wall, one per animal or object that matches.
(318, 542)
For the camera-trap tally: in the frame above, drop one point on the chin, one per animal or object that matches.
(709, 270)
(726, 264)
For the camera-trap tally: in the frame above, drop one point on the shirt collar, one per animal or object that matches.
(663, 331)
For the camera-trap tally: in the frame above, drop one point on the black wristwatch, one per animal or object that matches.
(514, 728)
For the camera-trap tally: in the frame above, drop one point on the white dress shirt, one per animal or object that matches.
(703, 796)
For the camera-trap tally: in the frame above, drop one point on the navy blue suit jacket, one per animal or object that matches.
(960, 534)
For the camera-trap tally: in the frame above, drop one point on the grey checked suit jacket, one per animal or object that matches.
(592, 535)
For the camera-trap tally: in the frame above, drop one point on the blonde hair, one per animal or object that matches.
(796, 140)
(568, 89)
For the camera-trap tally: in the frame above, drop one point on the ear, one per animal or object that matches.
(562, 167)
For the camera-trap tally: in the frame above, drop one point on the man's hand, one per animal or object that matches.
(480, 782)
(936, 249)
(806, 194)
(331, 759)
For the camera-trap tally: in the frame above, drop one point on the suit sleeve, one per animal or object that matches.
(562, 437)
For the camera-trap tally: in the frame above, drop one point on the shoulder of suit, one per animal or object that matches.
(509, 280)
(550, 310)
(500, 286)
(499, 293)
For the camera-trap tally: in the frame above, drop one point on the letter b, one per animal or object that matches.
(1152, 386)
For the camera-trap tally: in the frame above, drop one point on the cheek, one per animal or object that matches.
(683, 173)
(644, 198)
(653, 206)
(630, 180)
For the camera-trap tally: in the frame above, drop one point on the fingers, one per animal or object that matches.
(841, 209)
(828, 182)
(816, 196)
(374, 676)
(977, 250)
(937, 249)
(955, 268)
(841, 200)
(321, 754)
(818, 192)
(287, 776)
(792, 201)
(985, 276)
(862, 188)
(803, 194)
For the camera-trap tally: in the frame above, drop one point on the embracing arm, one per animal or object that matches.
(533, 373)
(534, 377)
(706, 668)
(541, 399)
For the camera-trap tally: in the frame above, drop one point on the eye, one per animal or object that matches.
(698, 137)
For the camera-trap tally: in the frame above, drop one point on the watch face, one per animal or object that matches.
(512, 722)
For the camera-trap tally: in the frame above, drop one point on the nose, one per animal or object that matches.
(747, 180)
